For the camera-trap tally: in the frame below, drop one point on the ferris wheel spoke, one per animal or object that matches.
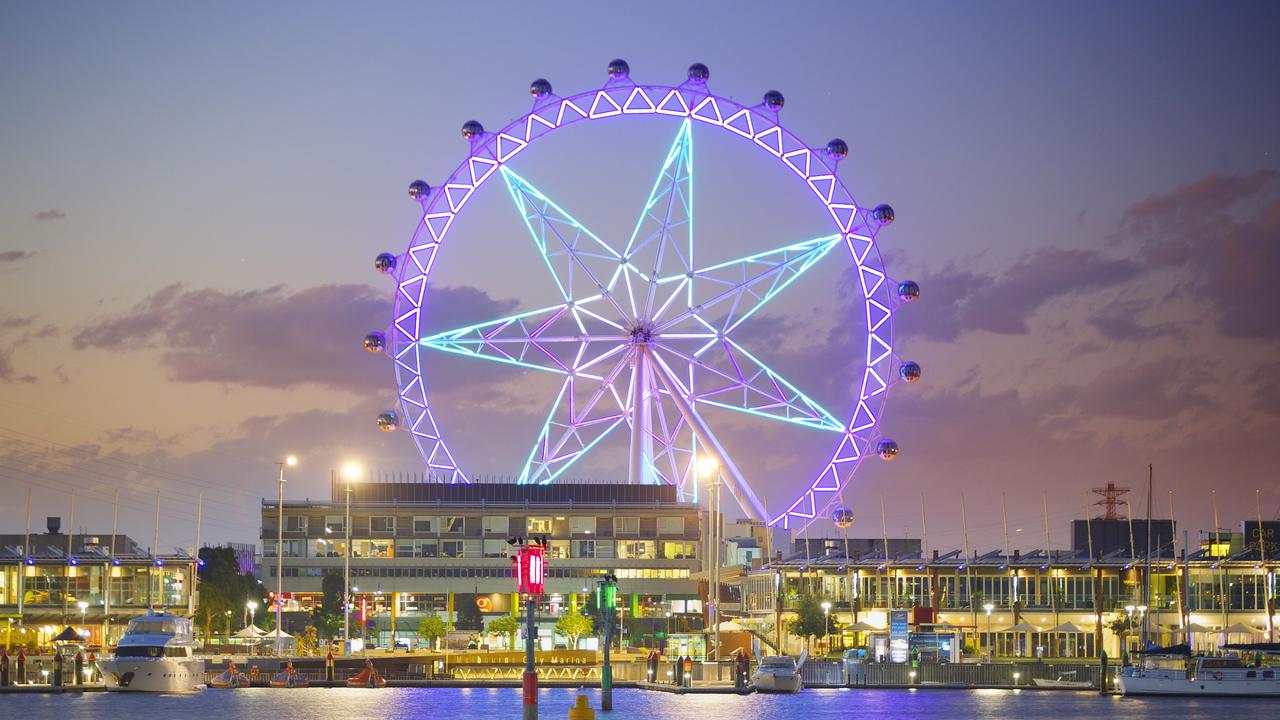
(566, 245)
(560, 339)
(736, 289)
(663, 234)
(731, 378)
(585, 411)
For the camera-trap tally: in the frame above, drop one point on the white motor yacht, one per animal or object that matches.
(156, 654)
(777, 674)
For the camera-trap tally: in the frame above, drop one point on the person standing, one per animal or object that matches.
(4, 668)
(22, 666)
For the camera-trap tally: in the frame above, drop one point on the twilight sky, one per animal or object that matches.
(1089, 195)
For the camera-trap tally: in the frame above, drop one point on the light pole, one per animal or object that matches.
(1128, 609)
(710, 468)
(990, 640)
(351, 472)
(83, 607)
(290, 461)
(252, 607)
(826, 622)
(1142, 619)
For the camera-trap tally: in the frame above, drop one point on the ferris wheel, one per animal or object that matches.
(645, 336)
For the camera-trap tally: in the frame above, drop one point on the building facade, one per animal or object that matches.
(427, 548)
(1051, 604)
(94, 583)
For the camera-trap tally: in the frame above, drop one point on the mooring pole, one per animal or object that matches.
(530, 680)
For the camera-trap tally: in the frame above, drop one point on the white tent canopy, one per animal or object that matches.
(1022, 627)
(278, 633)
(1196, 627)
(1241, 629)
(1066, 627)
(252, 631)
(862, 627)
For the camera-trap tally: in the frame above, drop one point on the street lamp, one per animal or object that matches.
(83, 607)
(1142, 618)
(990, 640)
(826, 621)
(709, 467)
(351, 472)
(1128, 609)
(290, 461)
(252, 607)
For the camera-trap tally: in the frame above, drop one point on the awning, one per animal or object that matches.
(1022, 627)
(1240, 628)
(1066, 627)
(1196, 627)
(252, 631)
(69, 635)
(862, 627)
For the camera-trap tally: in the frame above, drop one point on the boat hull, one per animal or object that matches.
(162, 675)
(1203, 687)
(770, 683)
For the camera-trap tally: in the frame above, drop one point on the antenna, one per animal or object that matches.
(1112, 496)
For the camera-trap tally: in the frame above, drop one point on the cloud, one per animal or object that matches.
(272, 337)
(1158, 390)
(1119, 322)
(50, 214)
(1223, 234)
(7, 372)
(960, 300)
(9, 257)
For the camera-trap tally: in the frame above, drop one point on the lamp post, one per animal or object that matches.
(826, 621)
(606, 602)
(990, 640)
(351, 472)
(1128, 609)
(290, 461)
(710, 468)
(1142, 618)
(252, 607)
(83, 607)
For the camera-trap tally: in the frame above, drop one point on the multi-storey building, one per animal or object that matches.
(92, 582)
(428, 548)
(1057, 603)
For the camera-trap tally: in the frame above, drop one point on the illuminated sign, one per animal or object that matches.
(530, 570)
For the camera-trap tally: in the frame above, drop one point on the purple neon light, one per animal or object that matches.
(619, 99)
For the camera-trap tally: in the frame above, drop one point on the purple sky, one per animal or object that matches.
(1089, 196)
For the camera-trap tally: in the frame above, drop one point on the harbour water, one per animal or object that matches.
(500, 703)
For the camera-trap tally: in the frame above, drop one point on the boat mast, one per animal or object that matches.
(1146, 579)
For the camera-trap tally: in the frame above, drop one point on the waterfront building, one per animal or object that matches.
(420, 548)
(1059, 603)
(92, 582)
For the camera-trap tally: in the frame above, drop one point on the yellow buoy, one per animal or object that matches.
(581, 710)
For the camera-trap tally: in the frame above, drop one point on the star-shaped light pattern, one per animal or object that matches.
(646, 336)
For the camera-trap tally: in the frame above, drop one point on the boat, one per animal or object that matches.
(230, 678)
(289, 678)
(777, 674)
(1174, 671)
(367, 678)
(1064, 680)
(156, 654)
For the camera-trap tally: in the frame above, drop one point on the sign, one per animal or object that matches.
(899, 636)
(530, 570)
(484, 603)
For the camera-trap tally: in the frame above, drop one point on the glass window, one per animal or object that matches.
(295, 523)
(450, 549)
(635, 549)
(371, 548)
(382, 524)
(538, 525)
(604, 548)
(496, 524)
(671, 525)
(679, 550)
(584, 548)
(582, 525)
(495, 548)
(335, 524)
(425, 524)
(473, 548)
(558, 550)
(626, 526)
(451, 524)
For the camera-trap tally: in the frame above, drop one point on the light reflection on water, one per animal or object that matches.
(500, 703)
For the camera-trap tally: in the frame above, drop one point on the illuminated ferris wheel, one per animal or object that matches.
(645, 336)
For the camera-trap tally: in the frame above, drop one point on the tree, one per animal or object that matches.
(223, 588)
(431, 629)
(505, 625)
(809, 621)
(328, 617)
(573, 626)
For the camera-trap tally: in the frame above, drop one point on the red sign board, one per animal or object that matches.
(530, 570)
